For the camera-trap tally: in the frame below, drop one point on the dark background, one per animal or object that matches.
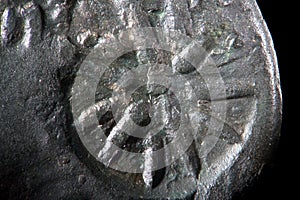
(277, 179)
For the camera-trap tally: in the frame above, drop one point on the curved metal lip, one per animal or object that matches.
(224, 163)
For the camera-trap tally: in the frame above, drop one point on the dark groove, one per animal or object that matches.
(158, 177)
(194, 159)
(244, 96)
(230, 61)
(107, 121)
(72, 42)
(192, 196)
(71, 6)
(43, 20)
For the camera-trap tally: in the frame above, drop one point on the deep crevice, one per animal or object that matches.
(43, 20)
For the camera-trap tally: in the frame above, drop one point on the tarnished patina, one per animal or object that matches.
(44, 49)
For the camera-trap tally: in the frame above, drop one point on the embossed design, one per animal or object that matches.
(42, 44)
(21, 25)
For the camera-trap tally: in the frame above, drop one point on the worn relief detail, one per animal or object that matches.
(150, 99)
(21, 24)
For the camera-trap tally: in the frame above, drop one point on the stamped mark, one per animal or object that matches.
(21, 25)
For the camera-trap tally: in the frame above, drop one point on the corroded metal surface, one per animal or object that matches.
(43, 46)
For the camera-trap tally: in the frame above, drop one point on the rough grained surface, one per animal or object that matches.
(42, 44)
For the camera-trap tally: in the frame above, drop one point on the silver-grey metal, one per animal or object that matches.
(43, 46)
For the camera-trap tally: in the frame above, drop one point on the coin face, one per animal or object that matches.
(136, 99)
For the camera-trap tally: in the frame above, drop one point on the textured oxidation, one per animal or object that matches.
(20, 23)
(42, 46)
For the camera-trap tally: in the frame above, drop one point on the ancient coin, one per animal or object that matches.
(135, 99)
